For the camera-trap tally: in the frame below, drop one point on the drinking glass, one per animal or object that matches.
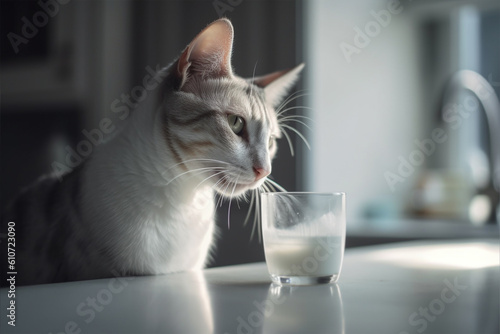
(304, 236)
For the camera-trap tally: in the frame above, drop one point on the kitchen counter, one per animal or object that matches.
(403, 288)
(372, 232)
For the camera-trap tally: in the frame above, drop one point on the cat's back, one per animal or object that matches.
(43, 217)
(28, 205)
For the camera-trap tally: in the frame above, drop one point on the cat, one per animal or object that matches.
(143, 202)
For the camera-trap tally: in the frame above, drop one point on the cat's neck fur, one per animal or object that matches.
(158, 225)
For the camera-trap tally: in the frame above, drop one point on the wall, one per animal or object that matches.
(366, 106)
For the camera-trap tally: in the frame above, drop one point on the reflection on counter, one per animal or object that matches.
(188, 309)
(291, 309)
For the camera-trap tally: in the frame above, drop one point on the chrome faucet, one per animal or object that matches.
(466, 80)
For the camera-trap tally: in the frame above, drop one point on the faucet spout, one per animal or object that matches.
(466, 80)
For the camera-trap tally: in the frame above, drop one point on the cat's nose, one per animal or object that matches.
(260, 173)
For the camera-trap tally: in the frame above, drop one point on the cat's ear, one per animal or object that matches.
(209, 54)
(277, 84)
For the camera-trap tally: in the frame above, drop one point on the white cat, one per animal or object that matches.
(143, 203)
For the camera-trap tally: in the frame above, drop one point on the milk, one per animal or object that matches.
(314, 256)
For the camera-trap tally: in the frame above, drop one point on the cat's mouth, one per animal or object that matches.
(233, 186)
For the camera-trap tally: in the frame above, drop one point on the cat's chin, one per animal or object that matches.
(238, 189)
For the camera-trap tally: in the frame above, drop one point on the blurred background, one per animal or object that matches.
(402, 98)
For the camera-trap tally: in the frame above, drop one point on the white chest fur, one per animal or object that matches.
(143, 225)
(178, 235)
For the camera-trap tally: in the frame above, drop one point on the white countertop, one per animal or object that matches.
(414, 287)
(421, 229)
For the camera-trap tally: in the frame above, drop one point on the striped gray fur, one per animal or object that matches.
(47, 222)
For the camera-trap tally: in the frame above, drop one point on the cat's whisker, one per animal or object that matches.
(245, 196)
(221, 180)
(287, 136)
(257, 224)
(207, 178)
(253, 78)
(194, 171)
(281, 112)
(220, 197)
(294, 120)
(228, 184)
(259, 232)
(268, 187)
(298, 134)
(295, 116)
(256, 218)
(291, 98)
(250, 206)
(230, 201)
(276, 184)
(225, 190)
(292, 95)
(217, 197)
(198, 159)
(200, 170)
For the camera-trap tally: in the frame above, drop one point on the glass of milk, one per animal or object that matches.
(304, 236)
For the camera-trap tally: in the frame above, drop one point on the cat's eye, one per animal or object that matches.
(236, 123)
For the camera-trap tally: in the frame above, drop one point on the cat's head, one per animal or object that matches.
(218, 126)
